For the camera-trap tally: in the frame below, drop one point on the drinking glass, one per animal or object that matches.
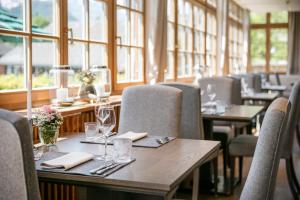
(91, 131)
(211, 92)
(106, 118)
(122, 150)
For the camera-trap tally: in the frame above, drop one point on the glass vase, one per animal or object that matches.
(48, 136)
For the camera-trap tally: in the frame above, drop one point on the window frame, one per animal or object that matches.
(268, 26)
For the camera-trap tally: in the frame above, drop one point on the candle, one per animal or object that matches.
(61, 94)
(29, 100)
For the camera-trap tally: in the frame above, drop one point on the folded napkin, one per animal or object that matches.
(68, 161)
(132, 135)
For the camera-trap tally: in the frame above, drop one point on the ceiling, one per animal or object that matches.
(270, 5)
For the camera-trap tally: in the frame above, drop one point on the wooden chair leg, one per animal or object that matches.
(232, 170)
(290, 179)
(240, 169)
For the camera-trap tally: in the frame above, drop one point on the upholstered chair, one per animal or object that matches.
(18, 176)
(261, 180)
(155, 109)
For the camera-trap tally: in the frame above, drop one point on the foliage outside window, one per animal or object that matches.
(269, 34)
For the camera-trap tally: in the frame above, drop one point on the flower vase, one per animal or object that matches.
(48, 136)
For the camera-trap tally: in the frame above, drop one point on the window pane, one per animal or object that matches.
(76, 18)
(123, 26)
(11, 14)
(171, 63)
(181, 12)
(137, 5)
(137, 35)
(199, 19)
(123, 64)
(98, 54)
(123, 2)
(171, 36)
(189, 39)
(171, 10)
(279, 50)
(136, 64)
(98, 20)
(258, 18)
(188, 14)
(76, 59)
(42, 16)
(279, 17)
(258, 47)
(43, 59)
(189, 65)
(12, 62)
(181, 38)
(181, 65)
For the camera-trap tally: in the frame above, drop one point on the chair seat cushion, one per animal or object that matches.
(243, 145)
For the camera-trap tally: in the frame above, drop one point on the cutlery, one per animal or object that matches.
(101, 171)
(163, 140)
(93, 171)
(121, 165)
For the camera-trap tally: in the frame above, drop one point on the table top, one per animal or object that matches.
(156, 169)
(261, 96)
(237, 113)
(274, 87)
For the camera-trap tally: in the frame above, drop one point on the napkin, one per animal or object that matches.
(68, 161)
(132, 135)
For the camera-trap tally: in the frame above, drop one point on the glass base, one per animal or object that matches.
(106, 158)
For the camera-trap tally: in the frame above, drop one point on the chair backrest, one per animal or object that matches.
(191, 125)
(18, 176)
(253, 80)
(277, 78)
(261, 180)
(237, 88)
(155, 109)
(223, 86)
(292, 120)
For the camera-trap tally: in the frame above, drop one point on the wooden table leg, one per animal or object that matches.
(195, 184)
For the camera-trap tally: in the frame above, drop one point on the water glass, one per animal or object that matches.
(122, 150)
(91, 131)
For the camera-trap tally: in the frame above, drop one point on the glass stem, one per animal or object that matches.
(105, 147)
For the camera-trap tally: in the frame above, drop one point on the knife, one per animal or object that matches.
(93, 171)
(101, 171)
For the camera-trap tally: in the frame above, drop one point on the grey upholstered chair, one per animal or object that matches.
(17, 174)
(244, 145)
(261, 181)
(225, 91)
(253, 80)
(191, 125)
(154, 109)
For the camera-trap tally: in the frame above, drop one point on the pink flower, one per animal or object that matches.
(47, 109)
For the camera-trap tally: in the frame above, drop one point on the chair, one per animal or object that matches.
(244, 146)
(155, 109)
(260, 183)
(252, 80)
(18, 176)
(225, 91)
(191, 123)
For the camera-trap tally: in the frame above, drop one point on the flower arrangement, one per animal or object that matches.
(48, 121)
(86, 77)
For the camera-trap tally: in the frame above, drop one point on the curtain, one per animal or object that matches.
(156, 40)
(246, 39)
(221, 39)
(294, 43)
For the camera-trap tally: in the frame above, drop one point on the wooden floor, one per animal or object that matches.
(282, 191)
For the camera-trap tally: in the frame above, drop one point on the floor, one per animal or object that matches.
(282, 191)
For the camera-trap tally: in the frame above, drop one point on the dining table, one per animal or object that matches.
(233, 114)
(155, 173)
(276, 88)
(260, 96)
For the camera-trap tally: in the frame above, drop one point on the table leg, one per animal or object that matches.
(195, 184)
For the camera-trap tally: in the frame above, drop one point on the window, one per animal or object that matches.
(130, 41)
(269, 41)
(236, 39)
(88, 34)
(190, 44)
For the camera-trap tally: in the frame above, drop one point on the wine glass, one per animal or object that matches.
(211, 92)
(106, 118)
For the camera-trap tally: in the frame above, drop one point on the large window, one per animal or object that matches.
(191, 43)
(36, 35)
(236, 39)
(130, 41)
(269, 36)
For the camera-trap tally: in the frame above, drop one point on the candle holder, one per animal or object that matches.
(102, 82)
(61, 74)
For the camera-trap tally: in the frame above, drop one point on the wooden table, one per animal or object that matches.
(235, 113)
(156, 171)
(261, 96)
(278, 88)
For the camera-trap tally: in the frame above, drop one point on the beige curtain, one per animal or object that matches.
(294, 43)
(221, 39)
(156, 40)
